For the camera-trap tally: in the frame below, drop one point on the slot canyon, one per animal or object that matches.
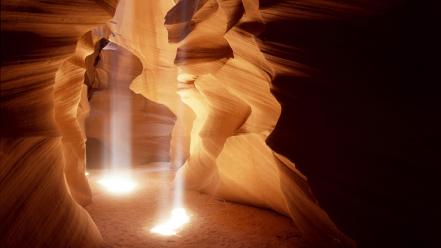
(219, 123)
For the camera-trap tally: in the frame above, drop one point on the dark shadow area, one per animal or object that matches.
(18, 46)
(363, 126)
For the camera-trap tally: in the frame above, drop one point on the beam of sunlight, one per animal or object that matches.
(172, 225)
(118, 179)
(117, 183)
(121, 126)
(179, 159)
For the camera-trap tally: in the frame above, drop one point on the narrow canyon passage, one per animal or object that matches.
(127, 136)
(126, 220)
(219, 123)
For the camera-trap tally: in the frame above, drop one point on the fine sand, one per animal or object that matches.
(126, 220)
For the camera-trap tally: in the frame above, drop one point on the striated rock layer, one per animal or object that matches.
(235, 113)
(225, 79)
(42, 146)
(215, 65)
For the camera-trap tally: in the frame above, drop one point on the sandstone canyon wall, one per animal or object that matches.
(225, 79)
(42, 148)
(227, 70)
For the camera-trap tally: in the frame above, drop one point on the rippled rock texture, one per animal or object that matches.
(42, 158)
(225, 80)
(243, 89)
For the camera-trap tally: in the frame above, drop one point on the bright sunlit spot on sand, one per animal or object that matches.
(118, 184)
(171, 226)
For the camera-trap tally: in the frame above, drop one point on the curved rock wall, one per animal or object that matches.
(315, 56)
(37, 207)
(229, 91)
(225, 79)
(71, 108)
(150, 124)
(139, 27)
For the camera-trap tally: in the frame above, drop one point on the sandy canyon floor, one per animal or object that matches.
(126, 220)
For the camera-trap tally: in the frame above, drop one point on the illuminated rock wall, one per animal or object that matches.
(139, 27)
(214, 63)
(235, 113)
